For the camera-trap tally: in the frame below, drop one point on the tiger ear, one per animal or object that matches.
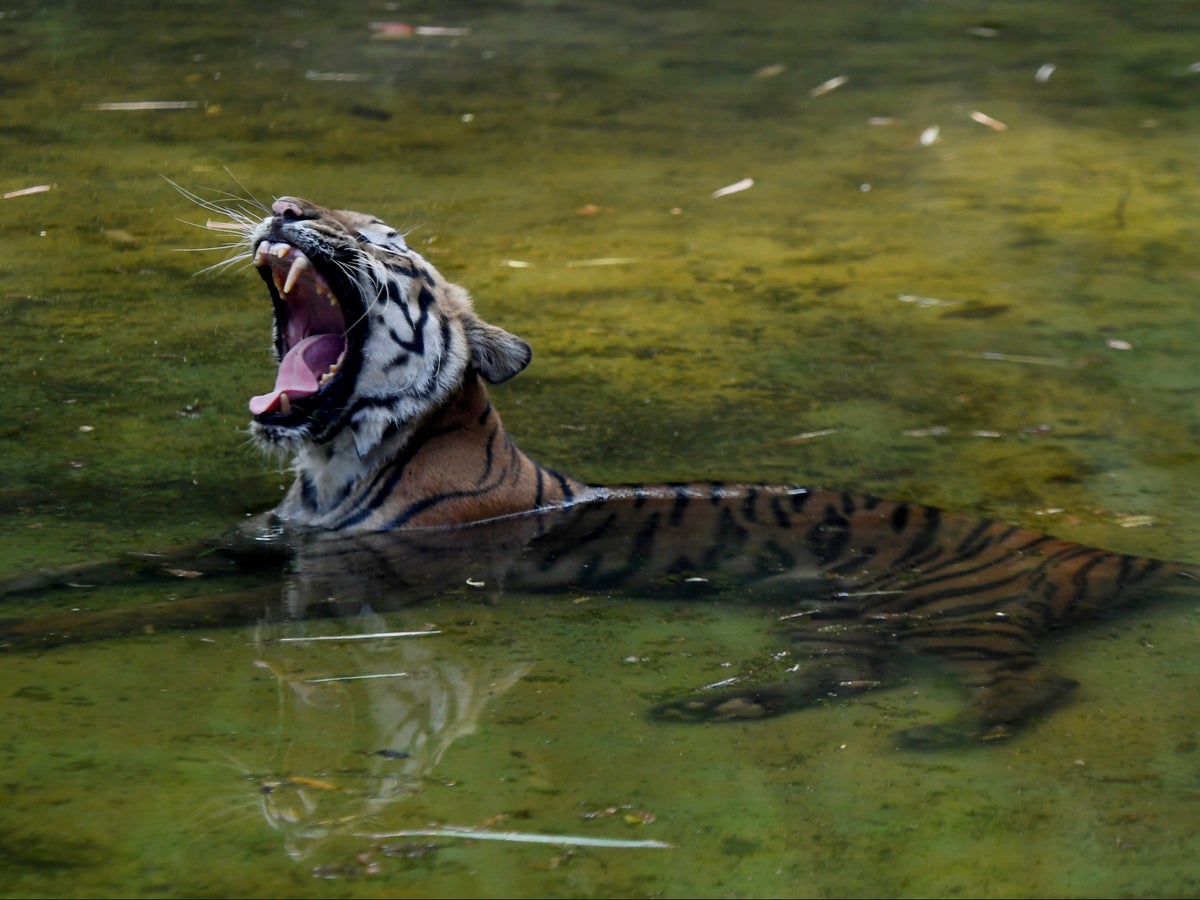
(498, 354)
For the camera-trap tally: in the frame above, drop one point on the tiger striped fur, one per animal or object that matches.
(400, 433)
(407, 482)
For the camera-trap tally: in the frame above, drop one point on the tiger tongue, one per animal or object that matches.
(300, 370)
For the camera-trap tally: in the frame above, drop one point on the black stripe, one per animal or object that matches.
(782, 519)
(679, 507)
(925, 535)
(829, 538)
(749, 504)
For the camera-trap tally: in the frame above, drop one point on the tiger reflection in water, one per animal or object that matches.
(406, 482)
(363, 725)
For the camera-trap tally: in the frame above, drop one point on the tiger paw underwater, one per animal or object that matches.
(407, 485)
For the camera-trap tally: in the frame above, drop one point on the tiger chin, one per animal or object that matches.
(406, 482)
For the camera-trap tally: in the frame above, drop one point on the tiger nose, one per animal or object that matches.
(287, 208)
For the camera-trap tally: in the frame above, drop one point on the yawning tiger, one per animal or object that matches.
(407, 482)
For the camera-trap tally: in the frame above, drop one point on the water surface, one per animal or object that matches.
(908, 301)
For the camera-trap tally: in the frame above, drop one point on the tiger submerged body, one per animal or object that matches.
(407, 483)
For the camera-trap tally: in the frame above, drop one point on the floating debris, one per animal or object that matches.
(1042, 75)
(924, 302)
(1012, 357)
(356, 637)
(602, 261)
(930, 136)
(409, 850)
(1135, 521)
(772, 71)
(319, 784)
(357, 677)
(881, 120)
(985, 119)
(314, 75)
(119, 236)
(935, 431)
(25, 192)
(140, 105)
(516, 263)
(395, 31)
(831, 85)
(519, 837)
(805, 437)
(737, 187)
(1117, 344)
(982, 31)
(628, 813)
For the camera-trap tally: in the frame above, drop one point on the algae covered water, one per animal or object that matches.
(943, 252)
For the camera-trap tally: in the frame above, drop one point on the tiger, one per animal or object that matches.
(406, 482)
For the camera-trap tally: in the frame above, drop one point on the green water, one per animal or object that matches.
(999, 321)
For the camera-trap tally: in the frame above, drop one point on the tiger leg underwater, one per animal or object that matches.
(406, 483)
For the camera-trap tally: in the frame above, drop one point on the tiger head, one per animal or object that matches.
(370, 338)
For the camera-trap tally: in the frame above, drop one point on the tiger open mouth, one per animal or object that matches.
(311, 339)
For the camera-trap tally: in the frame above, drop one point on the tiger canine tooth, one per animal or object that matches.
(278, 279)
(300, 264)
(285, 405)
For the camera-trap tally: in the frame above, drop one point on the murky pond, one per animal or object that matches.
(955, 262)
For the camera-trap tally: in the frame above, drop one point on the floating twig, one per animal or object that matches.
(1012, 357)
(356, 637)
(805, 437)
(985, 119)
(925, 301)
(602, 261)
(24, 192)
(737, 187)
(519, 837)
(140, 105)
(831, 85)
(357, 677)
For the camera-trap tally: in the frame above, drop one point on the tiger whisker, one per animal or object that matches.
(230, 246)
(214, 225)
(224, 264)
